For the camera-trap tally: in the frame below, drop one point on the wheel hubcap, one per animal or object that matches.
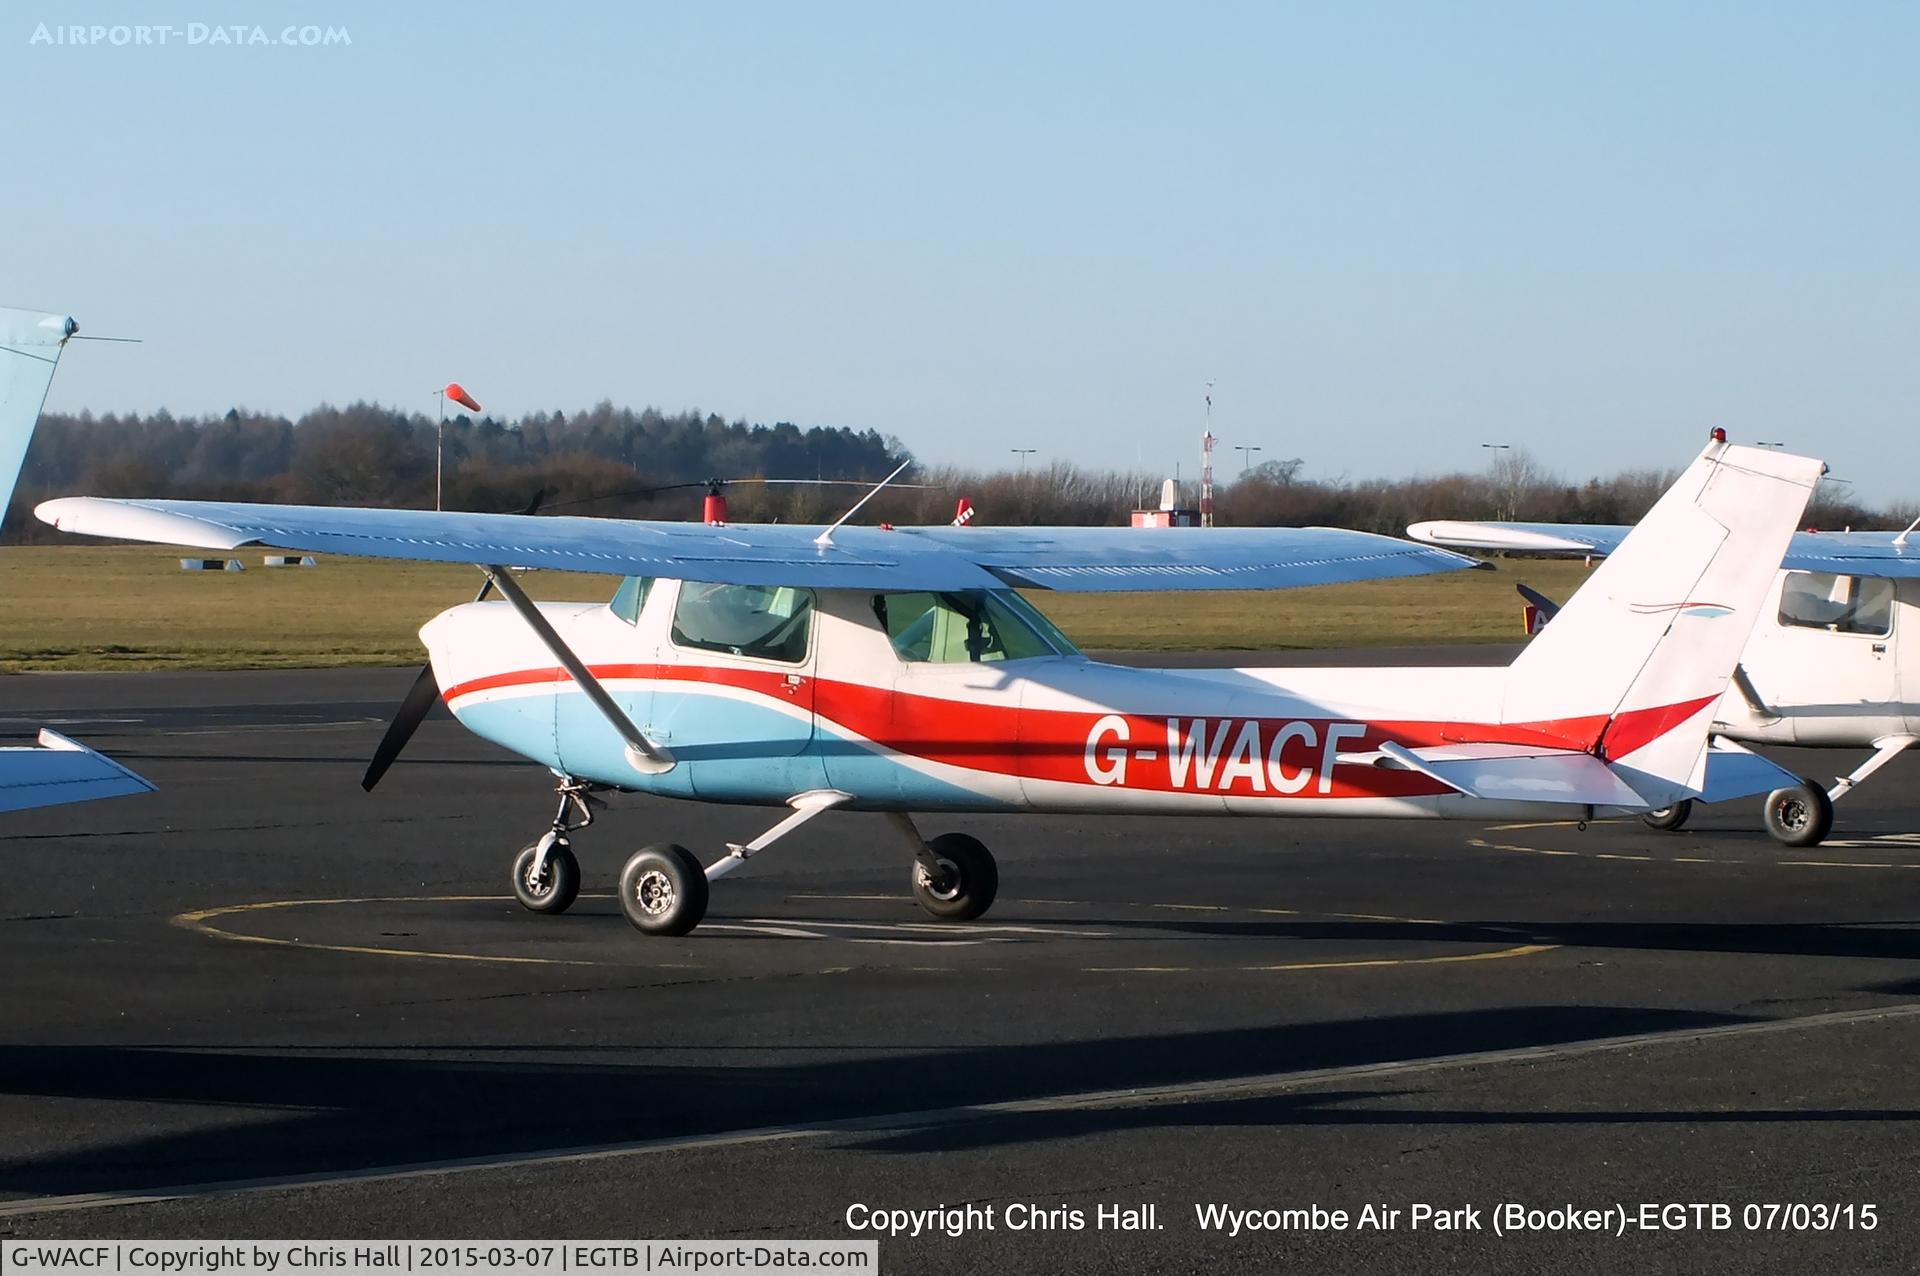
(538, 884)
(653, 892)
(1794, 815)
(946, 887)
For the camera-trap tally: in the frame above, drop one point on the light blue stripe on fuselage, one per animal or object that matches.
(730, 749)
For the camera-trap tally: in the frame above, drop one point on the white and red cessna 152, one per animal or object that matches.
(1833, 663)
(899, 671)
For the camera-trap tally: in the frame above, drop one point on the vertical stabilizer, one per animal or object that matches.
(1633, 665)
(30, 346)
(59, 770)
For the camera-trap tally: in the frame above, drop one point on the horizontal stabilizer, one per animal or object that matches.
(1735, 772)
(1518, 773)
(61, 770)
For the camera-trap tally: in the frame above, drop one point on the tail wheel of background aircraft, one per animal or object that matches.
(1799, 816)
(1669, 818)
(966, 882)
(558, 884)
(663, 890)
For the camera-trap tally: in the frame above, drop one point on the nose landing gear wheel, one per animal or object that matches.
(663, 890)
(1669, 818)
(966, 883)
(558, 884)
(1800, 816)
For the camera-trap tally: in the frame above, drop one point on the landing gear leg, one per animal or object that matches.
(1884, 751)
(663, 889)
(954, 876)
(546, 876)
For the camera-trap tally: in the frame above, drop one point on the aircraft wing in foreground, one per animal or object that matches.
(60, 771)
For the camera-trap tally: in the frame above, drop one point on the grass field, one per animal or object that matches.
(115, 607)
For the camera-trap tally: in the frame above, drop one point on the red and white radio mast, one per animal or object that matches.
(1206, 464)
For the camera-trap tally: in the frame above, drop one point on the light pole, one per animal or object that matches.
(1509, 481)
(1246, 450)
(1023, 453)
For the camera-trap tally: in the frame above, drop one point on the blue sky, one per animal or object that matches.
(1388, 232)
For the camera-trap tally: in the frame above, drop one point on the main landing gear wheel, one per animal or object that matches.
(965, 883)
(556, 886)
(1800, 816)
(1669, 818)
(663, 890)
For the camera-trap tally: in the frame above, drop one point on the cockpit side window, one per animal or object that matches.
(971, 626)
(1838, 604)
(765, 622)
(630, 598)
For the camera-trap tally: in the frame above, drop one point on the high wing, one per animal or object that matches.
(1844, 553)
(60, 770)
(922, 558)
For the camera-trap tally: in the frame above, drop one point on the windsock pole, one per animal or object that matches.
(455, 391)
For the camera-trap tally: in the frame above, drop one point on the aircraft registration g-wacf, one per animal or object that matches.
(900, 671)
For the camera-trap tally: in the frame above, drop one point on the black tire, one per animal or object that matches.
(560, 884)
(663, 890)
(1669, 818)
(1800, 816)
(971, 879)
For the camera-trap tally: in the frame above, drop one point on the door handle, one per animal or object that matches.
(1879, 648)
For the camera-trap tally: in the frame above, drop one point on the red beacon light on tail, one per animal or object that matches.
(1719, 434)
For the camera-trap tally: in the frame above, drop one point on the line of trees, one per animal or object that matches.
(609, 461)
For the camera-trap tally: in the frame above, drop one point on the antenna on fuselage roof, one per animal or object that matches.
(1900, 541)
(825, 539)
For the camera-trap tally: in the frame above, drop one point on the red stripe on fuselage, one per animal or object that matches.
(1232, 755)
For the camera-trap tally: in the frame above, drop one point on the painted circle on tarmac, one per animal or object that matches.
(865, 932)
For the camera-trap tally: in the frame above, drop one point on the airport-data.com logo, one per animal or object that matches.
(187, 35)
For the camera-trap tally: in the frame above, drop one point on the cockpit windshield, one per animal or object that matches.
(972, 626)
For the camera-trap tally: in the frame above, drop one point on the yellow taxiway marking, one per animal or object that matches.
(1838, 864)
(1485, 845)
(1357, 963)
(200, 921)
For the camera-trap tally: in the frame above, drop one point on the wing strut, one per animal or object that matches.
(643, 754)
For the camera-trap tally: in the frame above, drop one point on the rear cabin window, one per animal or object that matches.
(1838, 604)
(969, 627)
(744, 620)
(630, 598)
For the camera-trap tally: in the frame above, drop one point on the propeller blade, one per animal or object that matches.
(421, 695)
(419, 701)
